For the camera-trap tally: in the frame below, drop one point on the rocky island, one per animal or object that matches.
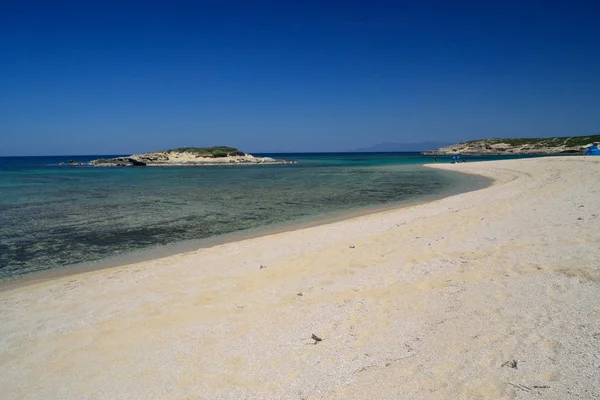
(556, 145)
(188, 156)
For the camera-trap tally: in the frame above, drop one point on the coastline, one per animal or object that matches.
(486, 294)
(466, 184)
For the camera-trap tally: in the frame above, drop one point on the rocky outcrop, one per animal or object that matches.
(187, 157)
(72, 163)
(562, 145)
(117, 162)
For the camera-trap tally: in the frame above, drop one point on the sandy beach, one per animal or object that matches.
(491, 294)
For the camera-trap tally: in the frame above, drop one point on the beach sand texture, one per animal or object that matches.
(492, 294)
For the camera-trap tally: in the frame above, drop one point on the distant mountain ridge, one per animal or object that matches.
(390, 146)
(553, 145)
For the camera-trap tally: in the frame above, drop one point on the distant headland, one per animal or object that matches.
(555, 145)
(188, 156)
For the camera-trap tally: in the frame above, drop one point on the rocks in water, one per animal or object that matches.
(136, 163)
(117, 162)
(72, 163)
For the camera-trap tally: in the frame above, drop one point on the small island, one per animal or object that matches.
(189, 156)
(510, 146)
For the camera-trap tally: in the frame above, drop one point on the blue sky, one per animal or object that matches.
(106, 78)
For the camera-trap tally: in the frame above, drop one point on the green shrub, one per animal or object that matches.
(216, 151)
(571, 141)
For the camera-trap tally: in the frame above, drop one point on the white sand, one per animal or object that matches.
(429, 303)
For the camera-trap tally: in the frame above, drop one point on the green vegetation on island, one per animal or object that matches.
(215, 151)
(189, 156)
(568, 141)
(553, 145)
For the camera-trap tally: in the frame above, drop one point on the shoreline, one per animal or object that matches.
(491, 293)
(467, 184)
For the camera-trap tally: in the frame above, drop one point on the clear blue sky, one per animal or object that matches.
(102, 77)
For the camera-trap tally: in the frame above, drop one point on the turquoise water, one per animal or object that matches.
(53, 216)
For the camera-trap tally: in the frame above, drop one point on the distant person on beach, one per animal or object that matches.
(434, 159)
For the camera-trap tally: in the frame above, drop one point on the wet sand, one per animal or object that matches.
(486, 294)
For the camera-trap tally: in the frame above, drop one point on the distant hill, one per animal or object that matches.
(553, 145)
(388, 146)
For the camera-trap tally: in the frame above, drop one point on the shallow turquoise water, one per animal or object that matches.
(52, 216)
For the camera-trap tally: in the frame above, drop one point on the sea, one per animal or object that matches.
(60, 218)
